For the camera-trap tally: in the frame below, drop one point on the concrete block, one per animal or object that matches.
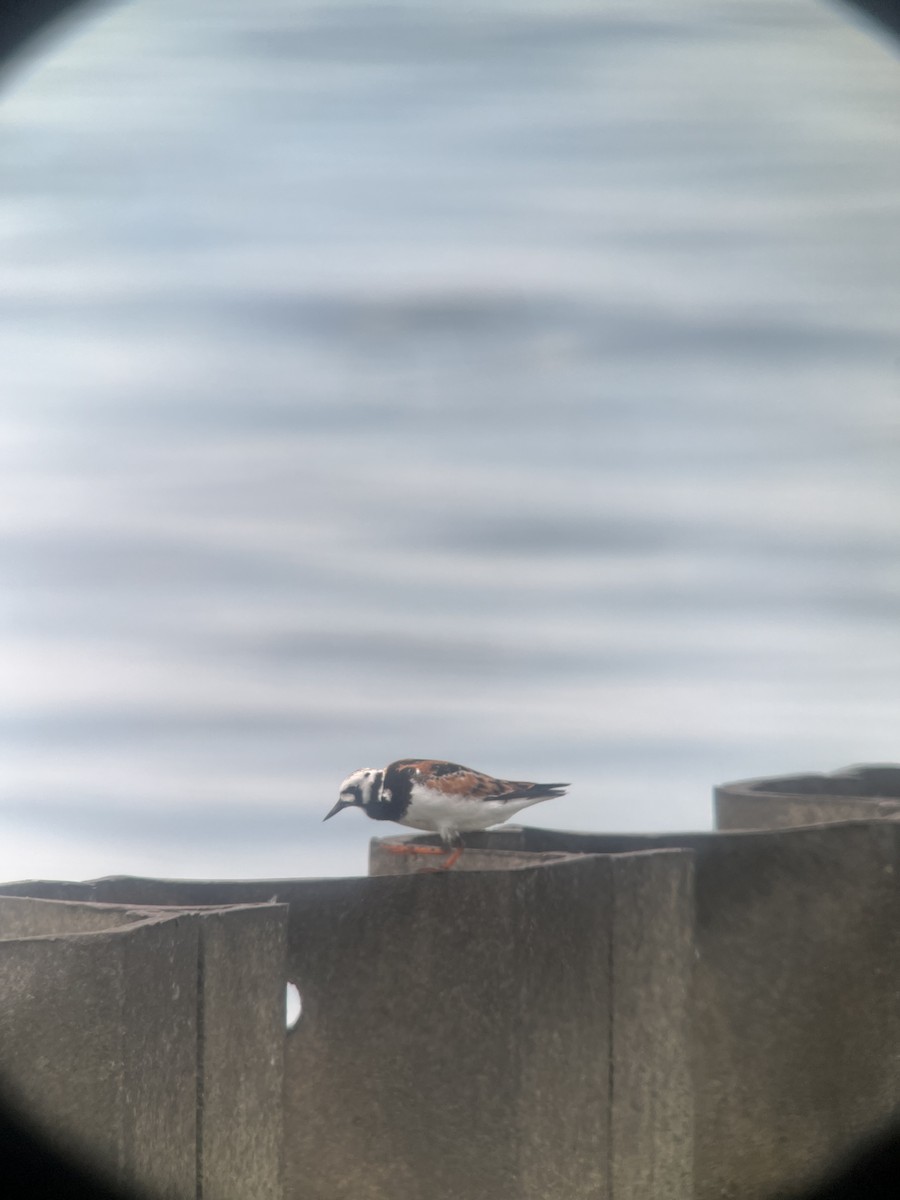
(243, 973)
(157, 1027)
(854, 793)
(454, 1041)
(563, 937)
(150, 1040)
(522, 1032)
(28, 917)
(796, 1003)
(794, 1016)
(384, 861)
(653, 960)
(460, 1036)
(650, 931)
(89, 1024)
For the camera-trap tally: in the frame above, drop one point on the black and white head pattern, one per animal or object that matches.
(362, 789)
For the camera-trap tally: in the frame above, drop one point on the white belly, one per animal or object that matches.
(436, 813)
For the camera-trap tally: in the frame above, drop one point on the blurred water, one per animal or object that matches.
(510, 383)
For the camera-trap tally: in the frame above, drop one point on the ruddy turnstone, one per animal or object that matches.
(440, 797)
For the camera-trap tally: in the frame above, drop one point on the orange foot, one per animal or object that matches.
(453, 859)
(411, 848)
(453, 856)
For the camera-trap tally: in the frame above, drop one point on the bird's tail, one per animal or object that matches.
(539, 791)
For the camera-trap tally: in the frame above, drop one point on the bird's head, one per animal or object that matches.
(358, 790)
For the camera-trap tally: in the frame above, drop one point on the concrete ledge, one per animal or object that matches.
(854, 793)
(475, 857)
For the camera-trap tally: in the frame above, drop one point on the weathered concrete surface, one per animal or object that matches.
(459, 1036)
(157, 1097)
(795, 1009)
(243, 967)
(652, 969)
(149, 1040)
(523, 1032)
(98, 1043)
(796, 1002)
(855, 793)
(651, 940)
(27, 917)
(428, 1003)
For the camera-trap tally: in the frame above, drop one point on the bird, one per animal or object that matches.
(440, 797)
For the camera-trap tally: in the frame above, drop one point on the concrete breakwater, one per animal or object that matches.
(572, 1015)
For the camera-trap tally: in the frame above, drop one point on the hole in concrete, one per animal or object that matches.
(293, 1006)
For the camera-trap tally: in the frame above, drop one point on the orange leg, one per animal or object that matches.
(453, 856)
(408, 848)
